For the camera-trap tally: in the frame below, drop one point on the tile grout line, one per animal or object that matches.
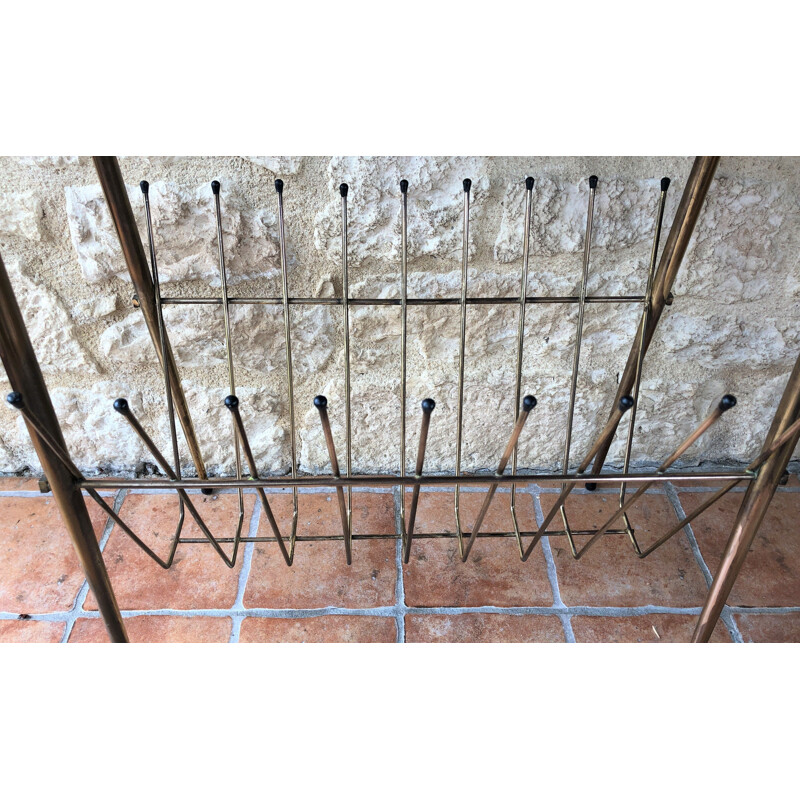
(244, 575)
(399, 589)
(393, 610)
(550, 563)
(237, 612)
(80, 599)
(725, 616)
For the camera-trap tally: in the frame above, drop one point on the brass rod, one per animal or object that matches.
(727, 402)
(395, 536)
(753, 508)
(427, 409)
(587, 246)
(680, 234)
(163, 345)
(288, 342)
(528, 404)
(232, 404)
(119, 207)
(223, 281)
(523, 290)
(790, 432)
(15, 399)
(607, 433)
(321, 403)
(122, 407)
(467, 185)
(396, 301)
(470, 479)
(162, 334)
(347, 408)
(403, 340)
(688, 518)
(25, 376)
(648, 295)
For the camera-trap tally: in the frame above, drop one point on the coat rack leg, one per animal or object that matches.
(678, 240)
(120, 208)
(754, 506)
(25, 377)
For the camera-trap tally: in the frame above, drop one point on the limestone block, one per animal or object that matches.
(436, 200)
(98, 438)
(197, 335)
(49, 326)
(54, 162)
(21, 215)
(278, 165)
(261, 415)
(184, 226)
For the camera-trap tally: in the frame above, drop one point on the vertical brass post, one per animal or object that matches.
(25, 377)
(119, 207)
(754, 506)
(674, 249)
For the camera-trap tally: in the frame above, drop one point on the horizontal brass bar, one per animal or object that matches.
(393, 536)
(282, 481)
(392, 301)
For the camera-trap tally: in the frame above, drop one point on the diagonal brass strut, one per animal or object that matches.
(119, 207)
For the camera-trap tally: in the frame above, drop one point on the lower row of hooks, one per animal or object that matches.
(465, 540)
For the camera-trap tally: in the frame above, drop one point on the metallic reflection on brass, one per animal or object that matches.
(761, 475)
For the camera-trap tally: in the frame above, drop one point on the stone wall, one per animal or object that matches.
(734, 325)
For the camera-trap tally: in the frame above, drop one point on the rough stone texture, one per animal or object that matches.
(184, 232)
(21, 215)
(733, 326)
(54, 338)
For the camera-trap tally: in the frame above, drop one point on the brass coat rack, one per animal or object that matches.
(31, 398)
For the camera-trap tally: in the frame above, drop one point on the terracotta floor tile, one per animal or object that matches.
(483, 628)
(668, 628)
(769, 627)
(686, 484)
(39, 571)
(320, 576)
(14, 630)
(16, 483)
(163, 628)
(332, 628)
(610, 574)
(494, 575)
(771, 573)
(198, 577)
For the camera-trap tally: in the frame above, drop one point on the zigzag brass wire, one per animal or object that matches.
(462, 343)
(566, 489)
(339, 482)
(647, 306)
(752, 468)
(223, 279)
(289, 375)
(17, 401)
(407, 532)
(348, 521)
(427, 408)
(162, 341)
(713, 417)
(121, 406)
(232, 403)
(523, 291)
(176, 472)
